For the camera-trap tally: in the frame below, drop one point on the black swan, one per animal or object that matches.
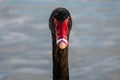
(60, 24)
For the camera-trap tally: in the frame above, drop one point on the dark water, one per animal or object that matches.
(25, 40)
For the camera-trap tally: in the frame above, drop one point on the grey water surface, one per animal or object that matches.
(25, 39)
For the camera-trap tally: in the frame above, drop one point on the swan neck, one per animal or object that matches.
(60, 62)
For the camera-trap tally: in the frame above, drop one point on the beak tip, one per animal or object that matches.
(62, 45)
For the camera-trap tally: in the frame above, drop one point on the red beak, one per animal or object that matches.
(61, 33)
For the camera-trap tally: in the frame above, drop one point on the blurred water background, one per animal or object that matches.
(25, 39)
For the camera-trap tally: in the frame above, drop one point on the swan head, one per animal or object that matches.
(60, 24)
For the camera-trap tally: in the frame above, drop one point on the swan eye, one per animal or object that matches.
(56, 14)
(64, 17)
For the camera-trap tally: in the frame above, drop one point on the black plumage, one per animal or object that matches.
(60, 56)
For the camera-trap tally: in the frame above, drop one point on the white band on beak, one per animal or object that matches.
(62, 39)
